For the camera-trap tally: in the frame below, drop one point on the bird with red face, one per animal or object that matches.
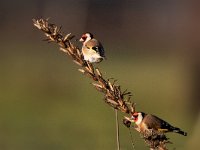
(147, 122)
(92, 49)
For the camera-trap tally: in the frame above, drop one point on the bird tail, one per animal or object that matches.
(178, 130)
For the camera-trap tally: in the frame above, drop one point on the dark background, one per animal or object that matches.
(152, 49)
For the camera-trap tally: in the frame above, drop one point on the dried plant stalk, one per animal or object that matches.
(112, 92)
(113, 95)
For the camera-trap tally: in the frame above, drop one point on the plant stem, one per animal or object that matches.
(117, 129)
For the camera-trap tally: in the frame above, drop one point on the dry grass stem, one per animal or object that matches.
(113, 95)
(112, 92)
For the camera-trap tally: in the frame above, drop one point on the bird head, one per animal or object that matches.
(86, 37)
(137, 117)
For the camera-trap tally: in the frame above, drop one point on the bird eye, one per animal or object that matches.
(84, 37)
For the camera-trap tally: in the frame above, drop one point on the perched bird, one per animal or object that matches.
(92, 49)
(145, 122)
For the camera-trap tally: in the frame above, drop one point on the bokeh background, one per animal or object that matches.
(152, 48)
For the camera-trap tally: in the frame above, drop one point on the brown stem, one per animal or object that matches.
(113, 95)
(117, 129)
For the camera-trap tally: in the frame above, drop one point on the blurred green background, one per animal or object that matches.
(152, 49)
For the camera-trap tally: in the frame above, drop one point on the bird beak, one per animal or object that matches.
(132, 118)
(81, 40)
(129, 119)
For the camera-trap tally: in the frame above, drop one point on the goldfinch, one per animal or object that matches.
(145, 122)
(92, 49)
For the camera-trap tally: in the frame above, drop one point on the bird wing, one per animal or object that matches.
(95, 45)
(157, 123)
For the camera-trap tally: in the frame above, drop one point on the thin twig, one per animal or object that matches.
(131, 138)
(117, 129)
